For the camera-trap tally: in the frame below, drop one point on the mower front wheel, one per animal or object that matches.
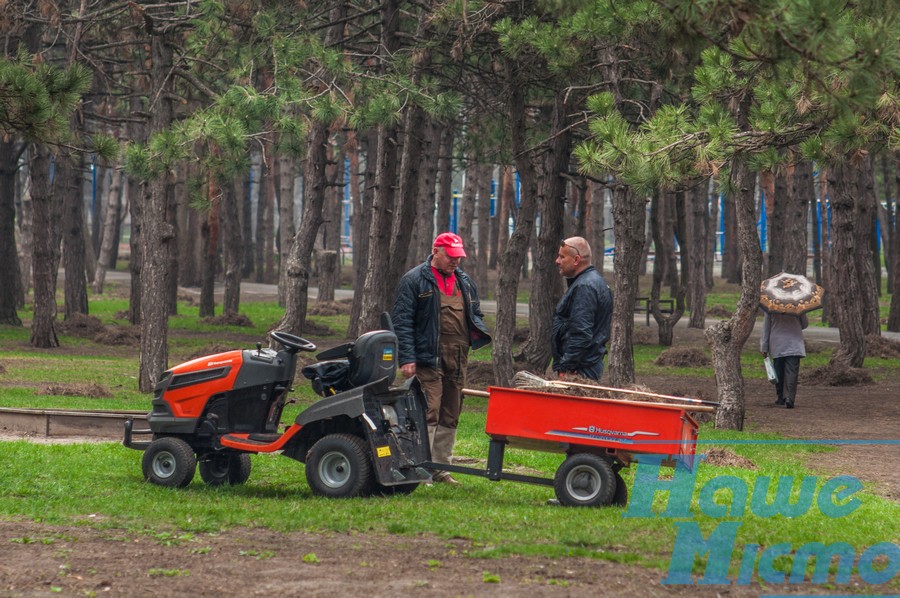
(219, 469)
(339, 466)
(169, 462)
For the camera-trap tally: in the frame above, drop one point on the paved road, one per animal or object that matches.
(258, 290)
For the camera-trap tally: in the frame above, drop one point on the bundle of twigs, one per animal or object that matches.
(528, 380)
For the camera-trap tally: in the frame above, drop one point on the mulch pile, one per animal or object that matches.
(683, 357)
(332, 308)
(127, 336)
(722, 457)
(93, 391)
(836, 375)
(84, 326)
(885, 348)
(229, 320)
(718, 311)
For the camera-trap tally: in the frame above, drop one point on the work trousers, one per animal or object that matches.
(787, 368)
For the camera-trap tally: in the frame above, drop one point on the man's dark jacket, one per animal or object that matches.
(417, 317)
(581, 323)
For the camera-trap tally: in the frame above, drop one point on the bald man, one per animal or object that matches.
(582, 317)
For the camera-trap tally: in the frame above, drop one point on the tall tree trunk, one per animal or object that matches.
(46, 252)
(247, 219)
(731, 259)
(268, 230)
(210, 233)
(68, 191)
(893, 323)
(110, 225)
(700, 230)
(445, 180)
(8, 257)
(286, 228)
(361, 232)
(712, 239)
(869, 282)
(846, 242)
(672, 202)
(26, 235)
(157, 233)
(596, 202)
(423, 231)
(727, 337)
(775, 194)
(484, 173)
(515, 253)
(299, 260)
(174, 195)
(629, 223)
(547, 287)
(796, 213)
(232, 197)
(137, 197)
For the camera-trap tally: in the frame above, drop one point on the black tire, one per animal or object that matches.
(339, 466)
(585, 480)
(169, 462)
(220, 469)
(381, 490)
(620, 497)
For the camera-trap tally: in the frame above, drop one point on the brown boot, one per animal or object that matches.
(443, 477)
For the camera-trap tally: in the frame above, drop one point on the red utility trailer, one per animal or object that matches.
(600, 436)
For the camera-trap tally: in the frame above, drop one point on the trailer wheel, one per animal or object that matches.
(620, 497)
(169, 462)
(585, 480)
(219, 469)
(339, 466)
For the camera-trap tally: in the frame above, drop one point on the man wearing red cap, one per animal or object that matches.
(437, 318)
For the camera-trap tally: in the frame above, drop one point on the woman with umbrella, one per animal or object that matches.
(786, 298)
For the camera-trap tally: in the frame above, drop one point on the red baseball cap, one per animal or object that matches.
(451, 243)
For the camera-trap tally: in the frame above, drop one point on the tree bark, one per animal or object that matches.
(547, 287)
(46, 252)
(361, 232)
(68, 192)
(445, 180)
(596, 202)
(328, 262)
(726, 338)
(423, 231)
(232, 199)
(210, 234)
(156, 233)
(869, 281)
(110, 225)
(698, 244)
(629, 223)
(731, 259)
(8, 257)
(846, 242)
(484, 173)
(712, 239)
(796, 215)
(515, 253)
(674, 202)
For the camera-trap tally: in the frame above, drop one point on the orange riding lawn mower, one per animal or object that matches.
(363, 437)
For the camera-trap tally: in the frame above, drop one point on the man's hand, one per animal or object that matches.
(408, 370)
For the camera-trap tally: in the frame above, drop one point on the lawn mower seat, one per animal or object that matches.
(372, 357)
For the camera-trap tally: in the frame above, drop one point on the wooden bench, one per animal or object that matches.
(642, 306)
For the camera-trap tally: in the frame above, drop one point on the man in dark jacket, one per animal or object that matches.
(437, 318)
(581, 320)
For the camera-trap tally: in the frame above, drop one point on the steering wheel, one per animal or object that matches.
(292, 342)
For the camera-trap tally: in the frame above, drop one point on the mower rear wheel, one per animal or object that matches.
(219, 469)
(620, 497)
(339, 466)
(585, 480)
(169, 462)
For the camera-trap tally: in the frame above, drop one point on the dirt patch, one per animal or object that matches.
(683, 357)
(229, 320)
(480, 375)
(76, 561)
(2, 369)
(836, 375)
(722, 457)
(885, 348)
(93, 391)
(187, 298)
